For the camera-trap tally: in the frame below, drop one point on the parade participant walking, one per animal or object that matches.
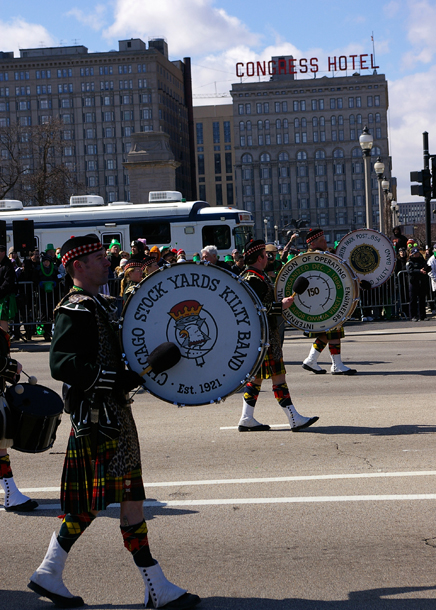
(103, 463)
(272, 366)
(317, 242)
(10, 371)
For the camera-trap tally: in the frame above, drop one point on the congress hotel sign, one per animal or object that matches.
(305, 65)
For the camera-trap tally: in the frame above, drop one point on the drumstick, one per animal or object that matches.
(300, 285)
(162, 358)
(32, 379)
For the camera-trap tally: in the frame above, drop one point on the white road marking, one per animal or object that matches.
(317, 477)
(296, 500)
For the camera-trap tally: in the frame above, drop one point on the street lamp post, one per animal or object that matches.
(386, 204)
(379, 168)
(395, 208)
(276, 234)
(366, 142)
(265, 222)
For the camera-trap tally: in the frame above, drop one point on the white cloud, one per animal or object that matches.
(421, 26)
(95, 20)
(411, 101)
(19, 34)
(192, 27)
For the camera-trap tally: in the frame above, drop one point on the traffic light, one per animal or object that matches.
(424, 189)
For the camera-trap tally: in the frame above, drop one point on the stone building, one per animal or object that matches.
(102, 100)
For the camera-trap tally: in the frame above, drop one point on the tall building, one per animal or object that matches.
(297, 152)
(214, 149)
(102, 99)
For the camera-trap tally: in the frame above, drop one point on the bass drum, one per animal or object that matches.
(36, 415)
(370, 254)
(213, 317)
(329, 300)
(6, 430)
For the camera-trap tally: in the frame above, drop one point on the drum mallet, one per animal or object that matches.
(300, 285)
(32, 379)
(163, 357)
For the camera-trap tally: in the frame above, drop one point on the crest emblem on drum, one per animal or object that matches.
(193, 329)
(364, 259)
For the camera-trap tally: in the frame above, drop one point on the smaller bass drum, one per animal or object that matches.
(330, 298)
(36, 415)
(213, 317)
(370, 254)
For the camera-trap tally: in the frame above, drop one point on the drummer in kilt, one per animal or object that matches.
(103, 462)
(272, 366)
(316, 242)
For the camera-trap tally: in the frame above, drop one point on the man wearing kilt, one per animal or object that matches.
(316, 242)
(272, 366)
(103, 462)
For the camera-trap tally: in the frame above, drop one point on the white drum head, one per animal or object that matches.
(330, 298)
(370, 254)
(215, 320)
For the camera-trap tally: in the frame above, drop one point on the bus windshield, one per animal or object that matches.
(242, 235)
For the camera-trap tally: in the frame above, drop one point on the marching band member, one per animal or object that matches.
(10, 371)
(272, 366)
(317, 242)
(103, 463)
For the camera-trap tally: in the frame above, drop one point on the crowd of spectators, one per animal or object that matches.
(40, 279)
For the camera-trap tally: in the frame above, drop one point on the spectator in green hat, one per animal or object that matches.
(114, 255)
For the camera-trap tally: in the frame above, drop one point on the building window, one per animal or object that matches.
(219, 194)
(230, 194)
(228, 160)
(227, 132)
(216, 132)
(199, 129)
(217, 160)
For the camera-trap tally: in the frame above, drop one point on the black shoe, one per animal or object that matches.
(349, 372)
(308, 368)
(25, 507)
(259, 428)
(311, 421)
(59, 600)
(185, 602)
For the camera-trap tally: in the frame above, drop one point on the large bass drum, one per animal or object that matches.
(370, 254)
(36, 415)
(329, 300)
(213, 317)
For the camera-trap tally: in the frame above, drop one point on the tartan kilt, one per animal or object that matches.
(84, 488)
(337, 333)
(271, 367)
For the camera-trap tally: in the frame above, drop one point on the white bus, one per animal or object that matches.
(172, 222)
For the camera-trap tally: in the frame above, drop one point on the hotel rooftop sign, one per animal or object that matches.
(278, 66)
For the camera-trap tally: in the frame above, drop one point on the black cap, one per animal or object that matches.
(76, 247)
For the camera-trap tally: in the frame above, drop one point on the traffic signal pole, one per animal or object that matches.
(427, 195)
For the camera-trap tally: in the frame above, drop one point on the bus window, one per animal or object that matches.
(242, 236)
(217, 235)
(158, 232)
(106, 239)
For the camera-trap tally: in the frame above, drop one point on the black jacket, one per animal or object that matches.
(7, 277)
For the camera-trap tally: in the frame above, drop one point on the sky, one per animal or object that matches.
(216, 34)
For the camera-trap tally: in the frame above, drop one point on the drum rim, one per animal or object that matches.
(388, 241)
(354, 283)
(261, 349)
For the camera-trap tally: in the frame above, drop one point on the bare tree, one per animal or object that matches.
(12, 164)
(32, 165)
